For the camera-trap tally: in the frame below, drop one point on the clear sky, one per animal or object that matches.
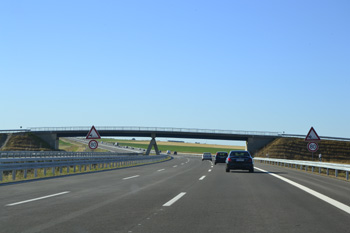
(232, 65)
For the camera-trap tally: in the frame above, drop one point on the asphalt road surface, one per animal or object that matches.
(182, 195)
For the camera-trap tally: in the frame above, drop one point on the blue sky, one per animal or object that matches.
(232, 65)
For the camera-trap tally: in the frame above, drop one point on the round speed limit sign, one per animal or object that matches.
(93, 144)
(312, 146)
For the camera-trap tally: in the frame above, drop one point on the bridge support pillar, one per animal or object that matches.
(255, 144)
(151, 144)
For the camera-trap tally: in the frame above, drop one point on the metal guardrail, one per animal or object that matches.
(30, 154)
(13, 164)
(306, 164)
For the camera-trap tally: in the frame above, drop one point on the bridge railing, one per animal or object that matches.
(299, 164)
(70, 164)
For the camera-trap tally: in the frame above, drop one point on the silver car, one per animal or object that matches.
(207, 156)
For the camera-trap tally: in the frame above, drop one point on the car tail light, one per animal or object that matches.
(250, 160)
(229, 159)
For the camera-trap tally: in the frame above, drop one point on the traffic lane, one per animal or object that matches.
(247, 202)
(80, 206)
(87, 185)
(332, 187)
(18, 191)
(134, 209)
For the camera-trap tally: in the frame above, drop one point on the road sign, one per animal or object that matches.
(93, 134)
(93, 144)
(312, 146)
(312, 136)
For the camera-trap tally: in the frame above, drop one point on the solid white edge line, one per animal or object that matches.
(172, 201)
(130, 177)
(202, 178)
(325, 198)
(39, 198)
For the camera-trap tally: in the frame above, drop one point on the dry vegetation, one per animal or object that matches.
(295, 148)
(25, 141)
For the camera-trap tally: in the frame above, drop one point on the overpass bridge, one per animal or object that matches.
(254, 139)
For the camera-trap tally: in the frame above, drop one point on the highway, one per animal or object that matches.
(184, 194)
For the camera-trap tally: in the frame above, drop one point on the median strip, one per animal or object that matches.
(172, 201)
(36, 199)
(329, 200)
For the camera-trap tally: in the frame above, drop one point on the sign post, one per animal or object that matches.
(312, 137)
(93, 134)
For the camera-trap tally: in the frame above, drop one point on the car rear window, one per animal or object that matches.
(239, 154)
(222, 154)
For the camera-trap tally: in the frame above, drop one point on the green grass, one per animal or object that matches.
(75, 146)
(181, 148)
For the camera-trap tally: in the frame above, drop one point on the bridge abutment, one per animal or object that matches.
(50, 138)
(254, 144)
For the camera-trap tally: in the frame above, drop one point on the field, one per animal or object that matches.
(68, 145)
(176, 146)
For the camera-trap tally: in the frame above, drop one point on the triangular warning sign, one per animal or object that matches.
(312, 135)
(93, 134)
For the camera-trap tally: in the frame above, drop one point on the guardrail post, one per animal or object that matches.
(14, 174)
(313, 169)
(336, 173)
(327, 172)
(53, 171)
(25, 174)
(347, 175)
(35, 173)
(45, 171)
(1, 172)
(319, 170)
(67, 169)
(60, 170)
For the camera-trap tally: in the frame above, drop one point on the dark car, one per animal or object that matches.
(220, 157)
(239, 160)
